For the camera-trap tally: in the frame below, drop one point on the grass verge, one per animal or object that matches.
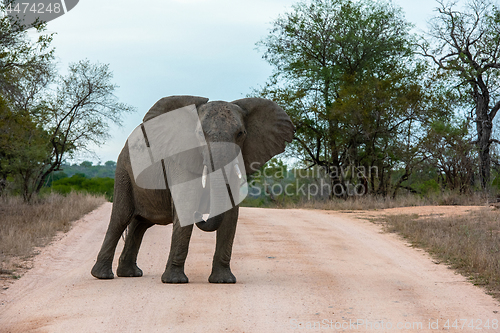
(23, 226)
(468, 243)
(371, 202)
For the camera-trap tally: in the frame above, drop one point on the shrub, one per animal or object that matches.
(79, 183)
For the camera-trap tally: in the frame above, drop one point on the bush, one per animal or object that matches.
(79, 183)
(428, 187)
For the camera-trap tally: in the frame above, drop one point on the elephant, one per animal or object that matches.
(247, 133)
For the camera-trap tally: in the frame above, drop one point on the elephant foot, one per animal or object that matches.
(221, 274)
(174, 274)
(126, 269)
(102, 270)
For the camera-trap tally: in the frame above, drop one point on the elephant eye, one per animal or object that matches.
(240, 134)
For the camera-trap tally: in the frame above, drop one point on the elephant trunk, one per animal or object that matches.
(212, 224)
(218, 203)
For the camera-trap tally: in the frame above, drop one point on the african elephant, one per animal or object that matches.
(255, 129)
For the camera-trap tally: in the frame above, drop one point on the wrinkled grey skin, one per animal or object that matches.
(259, 126)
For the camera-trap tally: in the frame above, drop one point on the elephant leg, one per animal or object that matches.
(174, 272)
(221, 271)
(127, 266)
(121, 216)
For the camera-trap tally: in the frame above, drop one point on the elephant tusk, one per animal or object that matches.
(204, 176)
(237, 169)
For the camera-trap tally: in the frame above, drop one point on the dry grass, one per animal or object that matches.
(468, 243)
(23, 227)
(374, 202)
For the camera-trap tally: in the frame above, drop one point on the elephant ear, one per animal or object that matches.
(172, 103)
(268, 129)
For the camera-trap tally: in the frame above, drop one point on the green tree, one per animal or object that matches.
(79, 114)
(449, 149)
(23, 149)
(25, 66)
(41, 127)
(345, 71)
(466, 43)
(25, 69)
(86, 164)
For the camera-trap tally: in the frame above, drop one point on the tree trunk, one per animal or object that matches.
(402, 179)
(484, 130)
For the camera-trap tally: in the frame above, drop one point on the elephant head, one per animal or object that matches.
(224, 135)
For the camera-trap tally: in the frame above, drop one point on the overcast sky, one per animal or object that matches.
(159, 48)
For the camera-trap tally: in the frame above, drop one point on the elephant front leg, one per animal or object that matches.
(221, 271)
(174, 272)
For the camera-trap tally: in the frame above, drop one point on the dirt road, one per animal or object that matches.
(297, 270)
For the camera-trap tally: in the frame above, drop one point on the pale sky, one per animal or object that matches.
(159, 48)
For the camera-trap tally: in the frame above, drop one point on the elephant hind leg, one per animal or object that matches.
(127, 266)
(102, 268)
(117, 225)
(121, 216)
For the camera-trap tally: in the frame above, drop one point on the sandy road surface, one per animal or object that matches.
(296, 269)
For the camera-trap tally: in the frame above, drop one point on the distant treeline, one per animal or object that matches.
(83, 177)
(87, 168)
(277, 185)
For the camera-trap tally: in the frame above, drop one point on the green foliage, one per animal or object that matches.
(99, 171)
(86, 164)
(448, 148)
(259, 202)
(23, 150)
(496, 182)
(346, 74)
(429, 187)
(273, 185)
(26, 65)
(55, 176)
(40, 126)
(464, 43)
(80, 112)
(79, 183)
